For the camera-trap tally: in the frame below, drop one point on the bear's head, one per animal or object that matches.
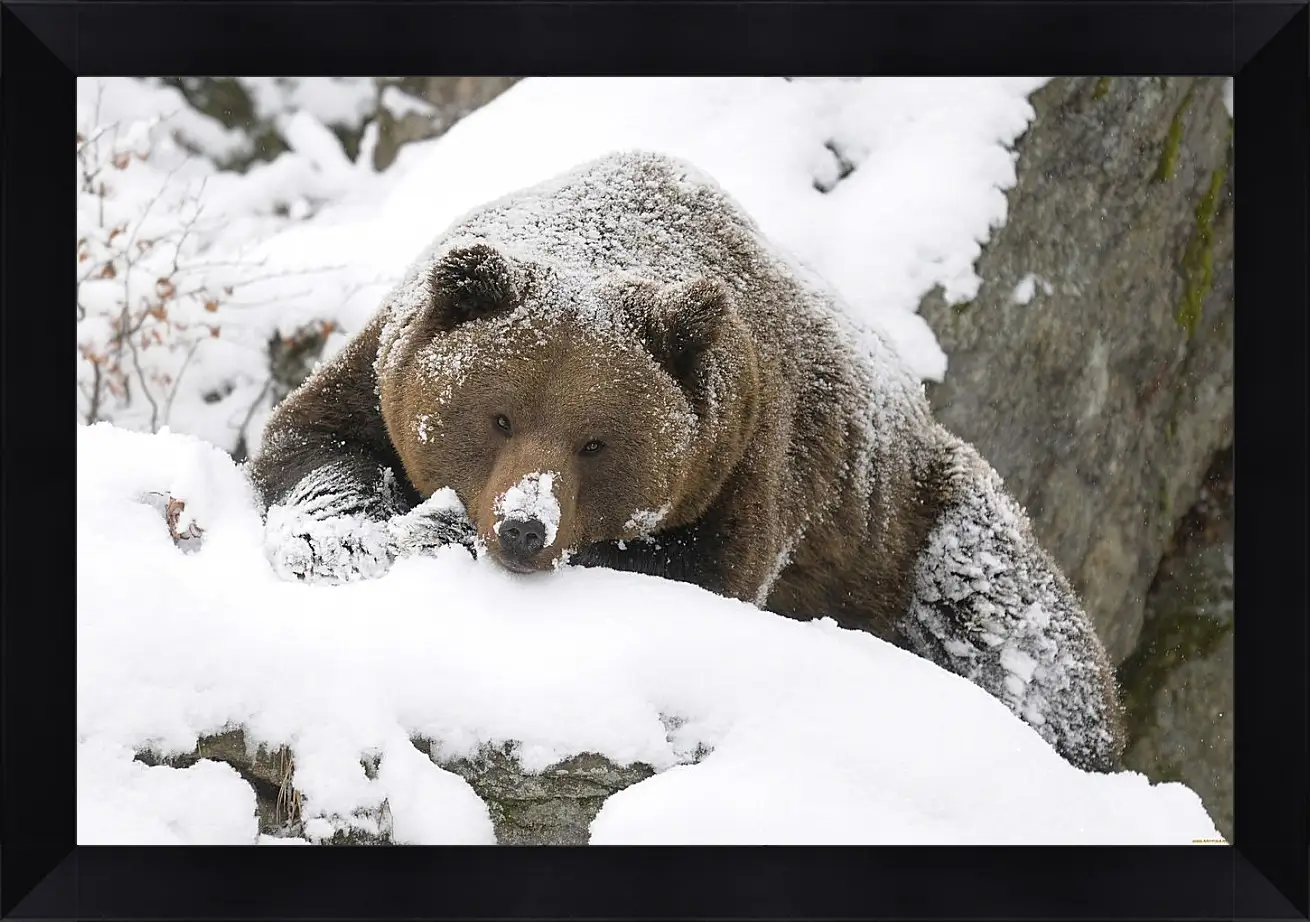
(568, 410)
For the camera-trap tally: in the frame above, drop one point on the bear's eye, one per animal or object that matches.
(592, 447)
(502, 423)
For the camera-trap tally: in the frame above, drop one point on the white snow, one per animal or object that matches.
(645, 521)
(329, 100)
(1027, 287)
(816, 734)
(533, 497)
(399, 103)
(124, 802)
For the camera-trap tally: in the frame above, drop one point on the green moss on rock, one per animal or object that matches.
(1102, 88)
(1198, 258)
(1177, 635)
(1164, 170)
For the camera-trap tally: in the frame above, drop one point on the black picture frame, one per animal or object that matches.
(44, 45)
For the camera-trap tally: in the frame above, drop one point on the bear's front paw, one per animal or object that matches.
(436, 522)
(329, 550)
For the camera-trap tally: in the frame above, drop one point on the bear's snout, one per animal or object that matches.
(521, 540)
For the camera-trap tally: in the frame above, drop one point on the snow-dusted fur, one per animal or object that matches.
(990, 605)
(802, 470)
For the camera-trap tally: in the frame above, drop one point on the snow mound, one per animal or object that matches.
(815, 734)
(124, 802)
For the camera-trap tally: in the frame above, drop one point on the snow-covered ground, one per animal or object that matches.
(886, 186)
(817, 734)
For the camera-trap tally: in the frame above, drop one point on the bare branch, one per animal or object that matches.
(168, 405)
(93, 398)
(250, 413)
(191, 223)
(145, 385)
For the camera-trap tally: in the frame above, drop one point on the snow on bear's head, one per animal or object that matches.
(567, 409)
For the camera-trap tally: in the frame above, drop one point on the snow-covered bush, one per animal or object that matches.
(170, 329)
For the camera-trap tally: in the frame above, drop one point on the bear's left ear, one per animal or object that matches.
(468, 283)
(685, 322)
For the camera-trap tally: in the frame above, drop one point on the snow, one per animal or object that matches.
(533, 497)
(399, 103)
(1013, 626)
(1027, 287)
(344, 101)
(125, 802)
(645, 521)
(815, 734)
(1228, 96)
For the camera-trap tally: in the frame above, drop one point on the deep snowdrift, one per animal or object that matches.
(818, 735)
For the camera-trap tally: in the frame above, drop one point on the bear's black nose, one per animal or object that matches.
(520, 539)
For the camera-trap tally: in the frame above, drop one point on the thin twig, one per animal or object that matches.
(250, 413)
(168, 406)
(93, 398)
(145, 387)
(186, 228)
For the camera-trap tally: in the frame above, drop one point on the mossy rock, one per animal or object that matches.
(552, 807)
(1178, 684)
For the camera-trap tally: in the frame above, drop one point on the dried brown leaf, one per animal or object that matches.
(175, 507)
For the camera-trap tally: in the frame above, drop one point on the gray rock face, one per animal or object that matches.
(1094, 368)
(555, 807)
(448, 98)
(268, 773)
(451, 98)
(1178, 688)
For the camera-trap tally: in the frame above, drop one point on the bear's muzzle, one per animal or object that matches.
(520, 541)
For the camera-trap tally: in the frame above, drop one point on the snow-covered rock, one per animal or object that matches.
(759, 728)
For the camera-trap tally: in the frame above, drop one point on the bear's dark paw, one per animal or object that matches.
(435, 523)
(328, 550)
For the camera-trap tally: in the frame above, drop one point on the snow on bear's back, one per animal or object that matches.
(648, 214)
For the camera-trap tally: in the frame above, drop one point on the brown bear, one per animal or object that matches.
(616, 368)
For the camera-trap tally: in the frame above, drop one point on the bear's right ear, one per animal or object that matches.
(468, 283)
(684, 322)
